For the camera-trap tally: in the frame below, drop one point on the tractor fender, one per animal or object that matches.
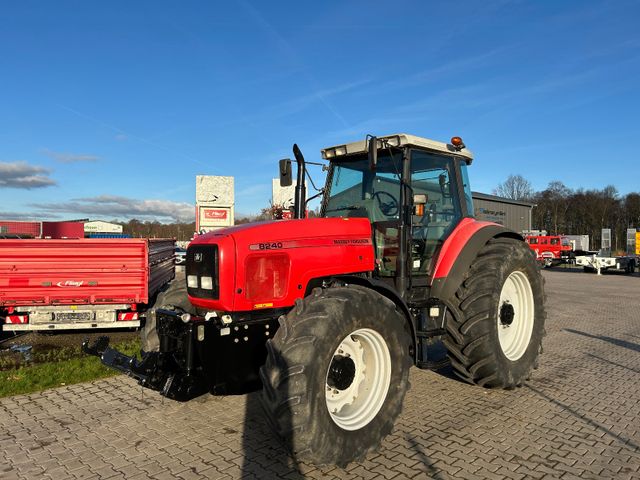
(385, 290)
(459, 251)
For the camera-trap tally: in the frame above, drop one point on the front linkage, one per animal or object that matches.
(174, 370)
(197, 355)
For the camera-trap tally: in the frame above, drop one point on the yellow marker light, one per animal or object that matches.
(263, 305)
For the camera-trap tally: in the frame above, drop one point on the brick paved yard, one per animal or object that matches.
(578, 417)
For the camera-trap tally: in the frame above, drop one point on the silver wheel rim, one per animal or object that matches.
(516, 313)
(354, 399)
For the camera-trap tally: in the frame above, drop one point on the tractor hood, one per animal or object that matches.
(271, 264)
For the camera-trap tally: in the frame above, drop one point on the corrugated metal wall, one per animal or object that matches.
(515, 217)
(32, 229)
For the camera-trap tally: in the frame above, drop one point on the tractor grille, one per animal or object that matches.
(202, 261)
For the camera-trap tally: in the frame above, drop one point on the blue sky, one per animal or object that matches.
(110, 109)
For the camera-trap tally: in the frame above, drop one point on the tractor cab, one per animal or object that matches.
(414, 192)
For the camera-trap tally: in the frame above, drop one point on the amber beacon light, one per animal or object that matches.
(457, 143)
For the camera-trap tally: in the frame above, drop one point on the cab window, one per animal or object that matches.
(433, 178)
(356, 191)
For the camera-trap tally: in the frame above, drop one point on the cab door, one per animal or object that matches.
(434, 181)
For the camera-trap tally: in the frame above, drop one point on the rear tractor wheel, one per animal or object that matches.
(336, 374)
(496, 337)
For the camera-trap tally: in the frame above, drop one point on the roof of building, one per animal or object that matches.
(495, 198)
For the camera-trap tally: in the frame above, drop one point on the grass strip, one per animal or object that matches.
(65, 371)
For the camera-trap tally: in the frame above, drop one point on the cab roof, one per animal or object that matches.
(397, 140)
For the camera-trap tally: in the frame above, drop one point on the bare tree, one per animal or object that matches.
(515, 187)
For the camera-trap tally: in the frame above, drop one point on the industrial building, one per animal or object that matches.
(18, 229)
(513, 214)
(64, 229)
(99, 226)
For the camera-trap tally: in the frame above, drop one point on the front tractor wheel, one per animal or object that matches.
(336, 374)
(496, 335)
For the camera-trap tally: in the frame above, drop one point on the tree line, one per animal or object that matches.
(562, 211)
(155, 229)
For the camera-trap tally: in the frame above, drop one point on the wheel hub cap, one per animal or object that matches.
(507, 313)
(341, 372)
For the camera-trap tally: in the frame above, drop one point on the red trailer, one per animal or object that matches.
(50, 284)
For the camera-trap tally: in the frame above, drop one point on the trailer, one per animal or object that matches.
(72, 284)
(604, 260)
(597, 263)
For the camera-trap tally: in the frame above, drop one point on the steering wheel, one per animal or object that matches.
(389, 209)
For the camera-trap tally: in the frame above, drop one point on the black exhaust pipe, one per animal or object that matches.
(301, 189)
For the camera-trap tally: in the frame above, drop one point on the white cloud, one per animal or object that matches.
(22, 216)
(112, 206)
(23, 175)
(71, 157)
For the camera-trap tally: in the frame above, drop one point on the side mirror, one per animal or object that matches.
(372, 150)
(286, 178)
(444, 185)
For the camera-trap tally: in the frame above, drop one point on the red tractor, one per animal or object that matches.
(327, 315)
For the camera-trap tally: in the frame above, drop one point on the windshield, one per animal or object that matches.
(356, 191)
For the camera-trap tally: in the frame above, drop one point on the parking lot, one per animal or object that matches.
(576, 418)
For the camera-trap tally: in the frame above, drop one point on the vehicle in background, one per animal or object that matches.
(50, 284)
(598, 263)
(550, 249)
(604, 259)
(180, 256)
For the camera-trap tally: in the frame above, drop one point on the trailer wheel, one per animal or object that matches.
(172, 297)
(630, 268)
(497, 335)
(336, 374)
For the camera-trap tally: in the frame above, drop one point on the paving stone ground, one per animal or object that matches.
(576, 418)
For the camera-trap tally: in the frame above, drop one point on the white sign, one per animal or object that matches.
(282, 196)
(213, 189)
(214, 202)
(213, 216)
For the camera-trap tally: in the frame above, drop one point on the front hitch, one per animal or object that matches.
(140, 370)
(173, 371)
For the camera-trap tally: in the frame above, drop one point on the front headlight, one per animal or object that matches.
(192, 281)
(206, 283)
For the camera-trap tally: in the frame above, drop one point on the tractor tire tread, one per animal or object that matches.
(294, 409)
(471, 341)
